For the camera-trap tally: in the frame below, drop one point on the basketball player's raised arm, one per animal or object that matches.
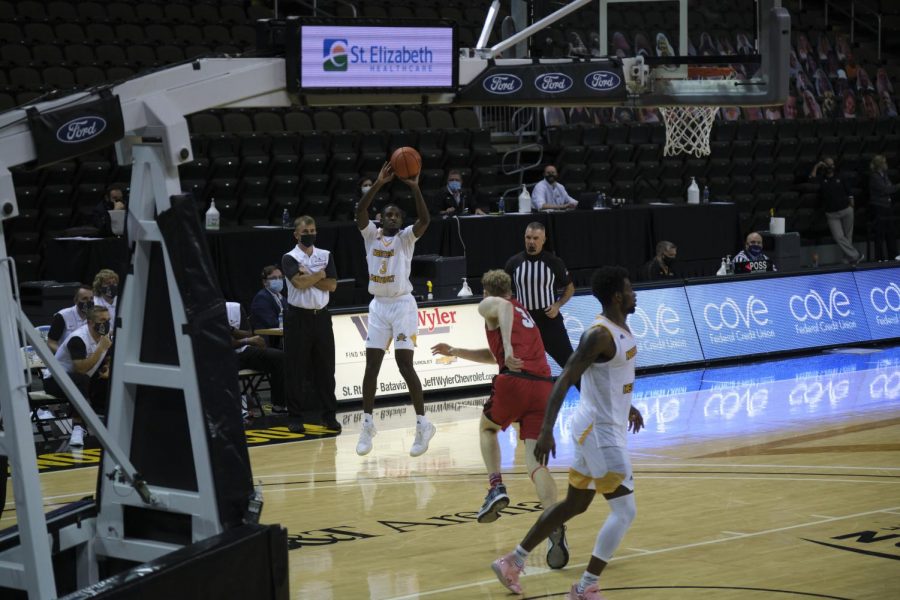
(423, 217)
(362, 209)
(595, 343)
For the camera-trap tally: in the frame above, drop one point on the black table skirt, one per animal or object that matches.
(584, 239)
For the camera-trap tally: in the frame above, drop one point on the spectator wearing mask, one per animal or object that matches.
(752, 259)
(106, 292)
(268, 304)
(550, 195)
(837, 202)
(375, 207)
(455, 201)
(661, 267)
(84, 357)
(880, 191)
(113, 199)
(69, 319)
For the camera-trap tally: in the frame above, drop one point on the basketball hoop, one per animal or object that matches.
(688, 128)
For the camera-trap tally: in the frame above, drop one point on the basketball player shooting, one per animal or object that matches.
(393, 313)
(518, 395)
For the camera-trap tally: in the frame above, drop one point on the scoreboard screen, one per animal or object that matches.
(358, 58)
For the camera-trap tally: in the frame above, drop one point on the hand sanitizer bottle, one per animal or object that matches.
(524, 200)
(212, 216)
(465, 291)
(723, 270)
(693, 192)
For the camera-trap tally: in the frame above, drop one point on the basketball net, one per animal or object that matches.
(688, 128)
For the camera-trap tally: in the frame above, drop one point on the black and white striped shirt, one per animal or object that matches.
(537, 280)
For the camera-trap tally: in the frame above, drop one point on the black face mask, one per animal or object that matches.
(669, 261)
(110, 290)
(102, 328)
(550, 178)
(83, 307)
(308, 239)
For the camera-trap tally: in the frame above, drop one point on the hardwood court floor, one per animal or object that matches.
(777, 480)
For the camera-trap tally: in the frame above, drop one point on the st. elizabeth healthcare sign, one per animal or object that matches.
(358, 58)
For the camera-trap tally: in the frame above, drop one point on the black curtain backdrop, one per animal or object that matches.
(585, 240)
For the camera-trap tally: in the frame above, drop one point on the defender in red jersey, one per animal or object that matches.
(518, 395)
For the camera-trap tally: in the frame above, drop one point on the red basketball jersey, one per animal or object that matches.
(526, 342)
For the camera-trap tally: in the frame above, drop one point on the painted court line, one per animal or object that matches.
(660, 551)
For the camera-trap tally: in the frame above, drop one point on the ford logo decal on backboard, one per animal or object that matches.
(81, 129)
(602, 81)
(502, 83)
(553, 83)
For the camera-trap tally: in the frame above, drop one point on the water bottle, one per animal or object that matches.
(729, 266)
(430, 287)
(524, 200)
(254, 506)
(281, 319)
(693, 192)
(212, 216)
(705, 194)
(286, 219)
(501, 206)
(601, 201)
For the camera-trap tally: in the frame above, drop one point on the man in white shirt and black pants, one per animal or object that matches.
(393, 313)
(83, 356)
(308, 333)
(538, 276)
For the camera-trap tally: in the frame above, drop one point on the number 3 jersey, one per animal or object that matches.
(526, 342)
(606, 391)
(390, 259)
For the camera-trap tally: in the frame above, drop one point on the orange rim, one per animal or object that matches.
(707, 72)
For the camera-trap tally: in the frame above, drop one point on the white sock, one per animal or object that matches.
(520, 555)
(587, 580)
(421, 420)
(622, 511)
(367, 418)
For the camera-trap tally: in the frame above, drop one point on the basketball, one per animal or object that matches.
(406, 162)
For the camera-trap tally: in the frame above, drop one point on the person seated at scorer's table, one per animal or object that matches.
(267, 307)
(113, 199)
(69, 319)
(454, 200)
(549, 194)
(85, 358)
(662, 266)
(253, 353)
(752, 259)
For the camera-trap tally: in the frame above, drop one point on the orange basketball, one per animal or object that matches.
(406, 162)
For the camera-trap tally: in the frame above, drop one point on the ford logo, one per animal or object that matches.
(81, 129)
(602, 81)
(553, 83)
(502, 83)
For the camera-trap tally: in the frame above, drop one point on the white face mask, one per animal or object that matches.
(365, 189)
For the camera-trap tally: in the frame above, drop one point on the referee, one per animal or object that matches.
(308, 336)
(538, 277)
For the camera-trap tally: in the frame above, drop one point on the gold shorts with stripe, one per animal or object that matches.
(600, 468)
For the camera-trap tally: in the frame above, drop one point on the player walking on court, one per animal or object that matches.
(393, 313)
(518, 394)
(604, 360)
